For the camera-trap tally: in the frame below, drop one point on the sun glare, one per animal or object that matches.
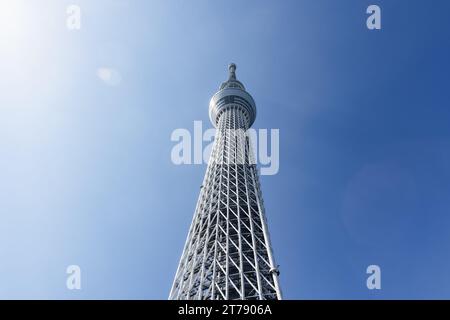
(24, 44)
(13, 24)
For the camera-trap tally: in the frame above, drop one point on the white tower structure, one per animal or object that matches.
(228, 254)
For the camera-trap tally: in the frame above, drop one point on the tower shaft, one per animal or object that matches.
(228, 254)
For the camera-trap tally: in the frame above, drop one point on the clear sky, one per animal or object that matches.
(86, 116)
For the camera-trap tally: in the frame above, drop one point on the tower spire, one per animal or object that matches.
(232, 82)
(232, 71)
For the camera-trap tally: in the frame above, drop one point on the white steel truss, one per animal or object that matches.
(228, 254)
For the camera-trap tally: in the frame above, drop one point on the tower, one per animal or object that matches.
(227, 254)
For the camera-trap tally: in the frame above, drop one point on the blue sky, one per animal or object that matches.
(85, 171)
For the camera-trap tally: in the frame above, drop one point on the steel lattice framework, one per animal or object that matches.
(228, 254)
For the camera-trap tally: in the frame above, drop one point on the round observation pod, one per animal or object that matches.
(232, 93)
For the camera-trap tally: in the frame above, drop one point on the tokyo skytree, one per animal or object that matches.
(228, 254)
